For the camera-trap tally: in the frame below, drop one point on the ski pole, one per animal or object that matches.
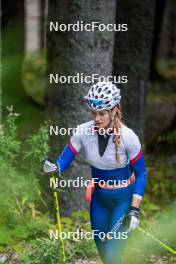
(157, 240)
(58, 221)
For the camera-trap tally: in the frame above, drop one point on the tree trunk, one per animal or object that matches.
(32, 26)
(166, 52)
(44, 20)
(132, 57)
(11, 11)
(70, 53)
(167, 47)
(158, 24)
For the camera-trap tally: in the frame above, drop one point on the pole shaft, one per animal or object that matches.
(58, 219)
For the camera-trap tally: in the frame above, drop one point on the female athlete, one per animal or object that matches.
(118, 171)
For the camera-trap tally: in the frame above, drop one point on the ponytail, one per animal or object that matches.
(117, 132)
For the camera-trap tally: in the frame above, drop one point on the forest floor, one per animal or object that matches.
(152, 259)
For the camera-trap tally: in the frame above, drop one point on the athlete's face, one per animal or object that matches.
(101, 118)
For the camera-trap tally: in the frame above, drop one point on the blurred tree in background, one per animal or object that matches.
(70, 53)
(132, 57)
(161, 100)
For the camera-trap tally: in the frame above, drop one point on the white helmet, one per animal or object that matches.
(103, 96)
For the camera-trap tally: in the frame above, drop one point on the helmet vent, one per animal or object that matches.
(108, 92)
(99, 90)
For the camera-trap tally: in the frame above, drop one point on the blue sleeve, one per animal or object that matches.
(66, 157)
(139, 169)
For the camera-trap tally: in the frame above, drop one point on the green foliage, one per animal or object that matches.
(37, 149)
(43, 251)
(9, 143)
(33, 228)
(169, 138)
(85, 249)
(20, 200)
(73, 249)
(34, 76)
(160, 187)
(20, 193)
(81, 219)
(166, 67)
(47, 251)
(5, 235)
(82, 248)
(67, 224)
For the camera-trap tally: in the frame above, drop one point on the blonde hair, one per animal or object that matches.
(117, 132)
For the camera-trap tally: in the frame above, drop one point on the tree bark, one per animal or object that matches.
(132, 57)
(73, 52)
(44, 21)
(167, 47)
(11, 11)
(158, 24)
(32, 26)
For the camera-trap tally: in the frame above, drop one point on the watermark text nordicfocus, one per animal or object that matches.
(80, 26)
(81, 78)
(56, 131)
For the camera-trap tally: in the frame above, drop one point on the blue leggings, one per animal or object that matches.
(107, 209)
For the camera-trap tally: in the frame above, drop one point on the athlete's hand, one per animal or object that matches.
(133, 219)
(49, 167)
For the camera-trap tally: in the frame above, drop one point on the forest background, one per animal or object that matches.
(146, 53)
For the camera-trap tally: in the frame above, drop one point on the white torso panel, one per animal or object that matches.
(88, 138)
